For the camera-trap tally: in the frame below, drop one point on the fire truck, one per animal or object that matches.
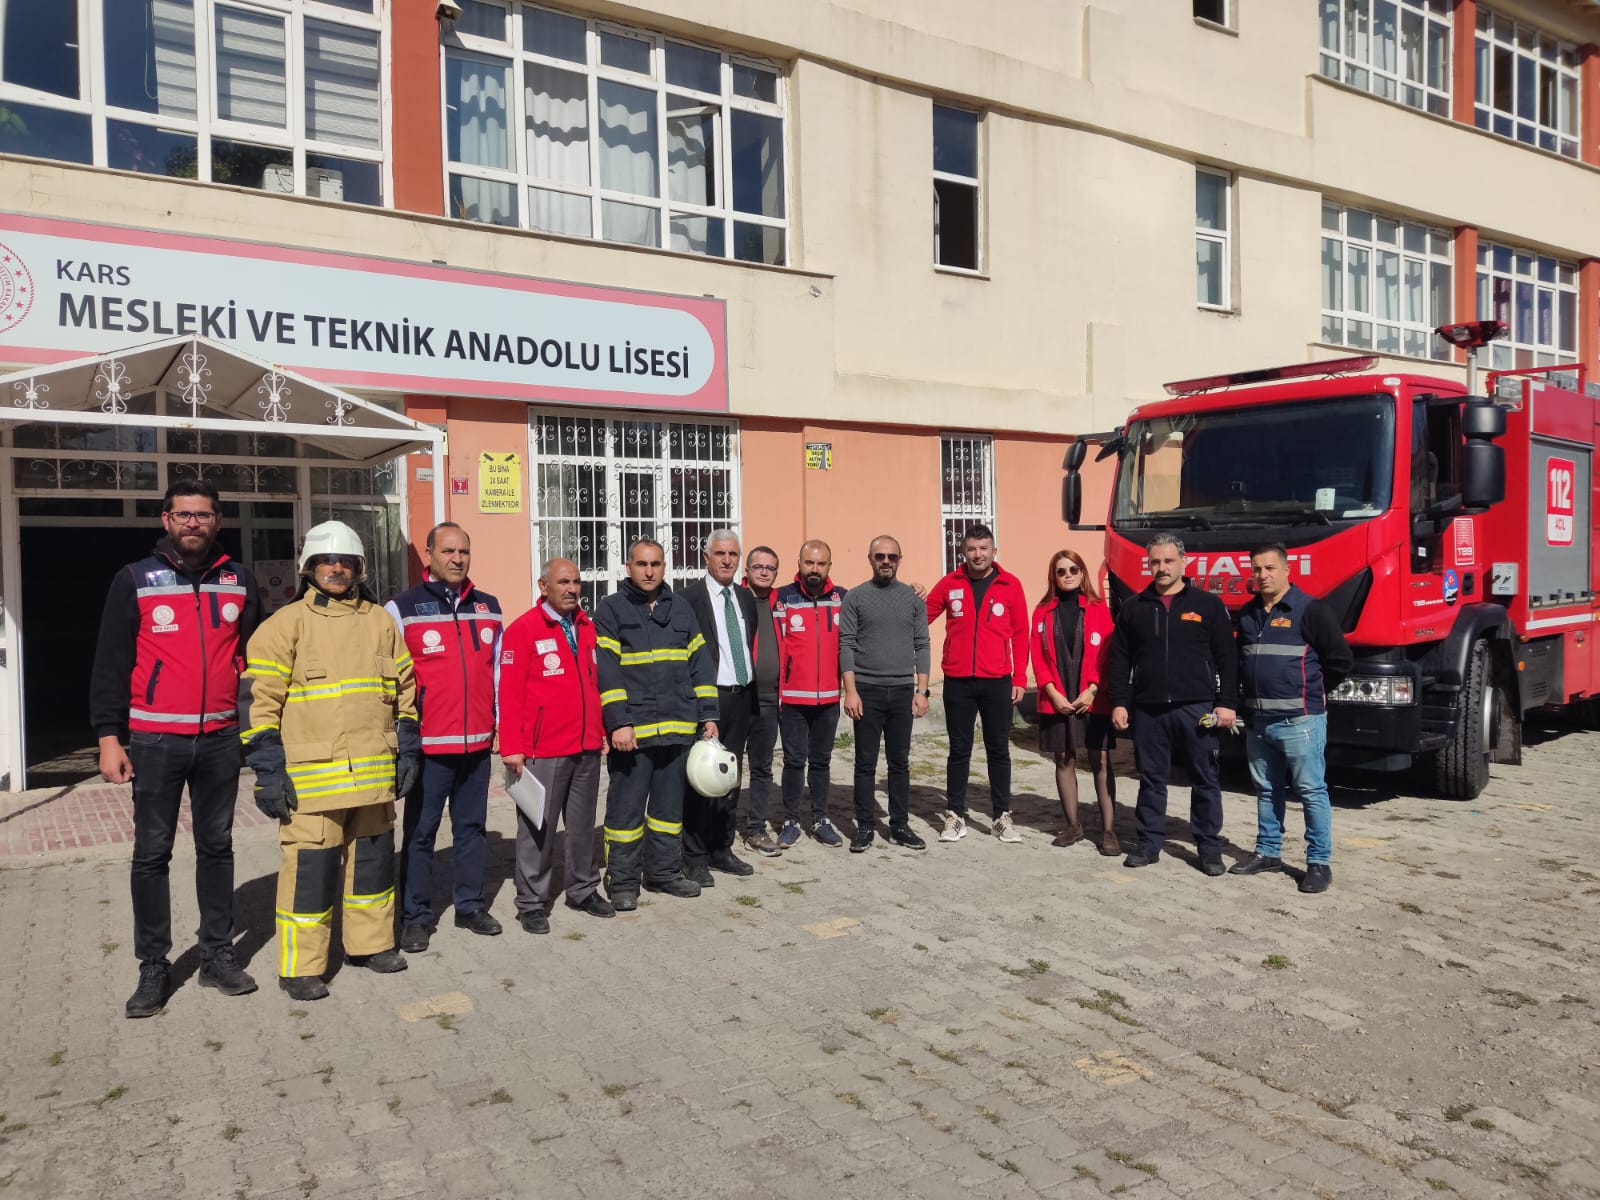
(1452, 535)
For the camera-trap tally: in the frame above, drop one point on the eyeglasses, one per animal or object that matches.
(762, 567)
(348, 561)
(889, 558)
(1068, 571)
(192, 518)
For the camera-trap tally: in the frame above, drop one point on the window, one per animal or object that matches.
(1215, 11)
(1385, 283)
(600, 483)
(1213, 251)
(1397, 49)
(586, 129)
(955, 188)
(282, 95)
(1536, 297)
(1527, 84)
(966, 468)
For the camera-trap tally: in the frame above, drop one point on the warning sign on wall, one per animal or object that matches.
(819, 456)
(499, 482)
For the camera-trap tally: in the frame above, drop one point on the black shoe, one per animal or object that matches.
(384, 962)
(414, 938)
(1212, 866)
(223, 972)
(595, 905)
(534, 922)
(1142, 858)
(624, 901)
(682, 887)
(862, 841)
(150, 997)
(1317, 878)
(1256, 864)
(481, 922)
(730, 864)
(901, 835)
(701, 875)
(304, 987)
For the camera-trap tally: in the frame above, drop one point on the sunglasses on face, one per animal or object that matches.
(348, 561)
(1068, 571)
(887, 558)
(191, 518)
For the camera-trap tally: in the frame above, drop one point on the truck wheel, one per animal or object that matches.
(1461, 769)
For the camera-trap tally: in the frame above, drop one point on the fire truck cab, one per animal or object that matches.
(1452, 535)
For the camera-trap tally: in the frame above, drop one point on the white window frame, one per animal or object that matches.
(974, 182)
(1412, 245)
(1222, 238)
(520, 176)
(1352, 52)
(964, 502)
(205, 126)
(1225, 21)
(1507, 274)
(1554, 63)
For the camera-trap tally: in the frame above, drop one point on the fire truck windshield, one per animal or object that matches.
(1322, 461)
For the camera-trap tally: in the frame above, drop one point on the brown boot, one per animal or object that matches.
(1071, 835)
(1109, 844)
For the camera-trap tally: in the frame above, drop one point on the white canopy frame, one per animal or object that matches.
(224, 391)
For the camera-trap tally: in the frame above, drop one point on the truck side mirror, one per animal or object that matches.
(1483, 479)
(1076, 453)
(1072, 495)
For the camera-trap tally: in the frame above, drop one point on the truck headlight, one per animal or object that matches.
(1374, 689)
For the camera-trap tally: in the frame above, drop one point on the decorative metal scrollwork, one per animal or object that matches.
(342, 409)
(276, 406)
(192, 375)
(30, 394)
(111, 379)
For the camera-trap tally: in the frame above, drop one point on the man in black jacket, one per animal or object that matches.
(1173, 662)
(727, 616)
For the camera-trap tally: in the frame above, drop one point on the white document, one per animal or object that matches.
(528, 792)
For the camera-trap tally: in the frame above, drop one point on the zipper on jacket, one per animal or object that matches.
(150, 688)
(466, 684)
(205, 661)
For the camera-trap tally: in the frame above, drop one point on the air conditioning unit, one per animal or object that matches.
(278, 177)
(325, 185)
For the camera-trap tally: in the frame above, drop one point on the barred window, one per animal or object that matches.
(966, 479)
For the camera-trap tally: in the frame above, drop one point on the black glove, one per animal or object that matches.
(408, 766)
(275, 795)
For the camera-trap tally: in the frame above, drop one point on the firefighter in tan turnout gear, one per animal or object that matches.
(331, 720)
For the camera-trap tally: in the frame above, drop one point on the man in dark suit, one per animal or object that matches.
(727, 615)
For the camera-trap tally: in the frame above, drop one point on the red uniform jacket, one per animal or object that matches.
(453, 651)
(991, 644)
(1096, 652)
(549, 700)
(809, 631)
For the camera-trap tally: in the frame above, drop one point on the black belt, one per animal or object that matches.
(734, 687)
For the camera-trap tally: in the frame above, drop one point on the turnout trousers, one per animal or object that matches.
(338, 859)
(644, 816)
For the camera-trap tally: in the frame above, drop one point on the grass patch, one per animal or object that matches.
(1407, 907)
(327, 1074)
(614, 1090)
(989, 1115)
(887, 1016)
(575, 936)
(1509, 998)
(1128, 1160)
(1007, 1165)
(57, 1057)
(1569, 998)
(1015, 1064)
(1333, 1108)
(1280, 912)
(949, 1056)
(1216, 1060)
(844, 741)
(1456, 1111)
(1038, 966)
(115, 1094)
(231, 1132)
(394, 1104)
(1557, 947)
(213, 1045)
(1040, 1001)
(1438, 1185)
(919, 946)
(850, 1098)
(1083, 1172)
(1108, 1004)
(1482, 1123)
(793, 887)
(830, 1047)
(1276, 962)
(748, 901)
(446, 1021)
(1457, 964)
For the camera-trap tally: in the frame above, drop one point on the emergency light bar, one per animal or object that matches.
(1327, 367)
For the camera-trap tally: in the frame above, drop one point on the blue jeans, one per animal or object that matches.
(1289, 754)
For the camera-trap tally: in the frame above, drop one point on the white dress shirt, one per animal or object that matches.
(725, 675)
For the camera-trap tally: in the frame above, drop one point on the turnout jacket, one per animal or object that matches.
(808, 629)
(1181, 655)
(987, 641)
(656, 672)
(549, 699)
(332, 677)
(1094, 654)
(1289, 655)
(170, 646)
(454, 650)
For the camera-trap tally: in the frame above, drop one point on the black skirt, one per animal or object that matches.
(1068, 735)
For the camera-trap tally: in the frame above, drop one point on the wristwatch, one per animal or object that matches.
(923, 691)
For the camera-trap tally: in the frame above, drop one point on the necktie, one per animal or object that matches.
(571, 631)
(730, 618)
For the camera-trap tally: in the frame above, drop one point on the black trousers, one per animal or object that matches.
(885, 714)
(808, 732)
(1161, 733)
(644, 815)
(709, 824)
(163, 764)
(967, 698)
(758, 762)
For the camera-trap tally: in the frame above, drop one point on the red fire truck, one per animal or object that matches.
(1452, 535)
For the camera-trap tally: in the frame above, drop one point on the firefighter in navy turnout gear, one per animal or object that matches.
(658, 692)
(332, 737)
(452, 632)
(727, 615)
(1173, 662)
(167, 667)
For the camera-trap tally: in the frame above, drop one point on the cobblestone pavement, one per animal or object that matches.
(976, 1020)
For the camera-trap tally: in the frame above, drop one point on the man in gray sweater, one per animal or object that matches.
(883, 648)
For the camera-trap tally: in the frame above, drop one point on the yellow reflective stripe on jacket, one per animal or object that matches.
(624, 835)
(310, 770)
(664, 727)
(402, 658)
(607, 643)
(613, 696)
(267, 666)
(371, 901)
(640, 657)
(299, 692)
(696, 642)
(253, 730)
(669, 827)
(706, 691)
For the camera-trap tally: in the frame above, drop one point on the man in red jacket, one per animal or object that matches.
(550, 724)
(985, 667)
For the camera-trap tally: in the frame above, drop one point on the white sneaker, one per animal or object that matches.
(1004, 830)
(954, 828)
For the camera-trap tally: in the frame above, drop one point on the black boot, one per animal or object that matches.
(150, 997)
(223, 972)
(384, 962)
(303, 987)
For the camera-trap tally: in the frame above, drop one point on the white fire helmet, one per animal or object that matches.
(713, 769)
(331, 537)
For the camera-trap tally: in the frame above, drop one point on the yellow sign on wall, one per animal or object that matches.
(819, 456)
(499, 483)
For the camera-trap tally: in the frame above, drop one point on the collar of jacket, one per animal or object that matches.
(1150, 594)
(636, 595)
(544, 609)
(1284, 601)
(999, 573)
(800, 582)
(319, 602)
(435, 588)
(1050, 602)
(164, 549)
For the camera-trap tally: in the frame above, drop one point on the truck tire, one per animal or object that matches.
(1461, 769)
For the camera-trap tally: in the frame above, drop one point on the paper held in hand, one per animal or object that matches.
(528, 792)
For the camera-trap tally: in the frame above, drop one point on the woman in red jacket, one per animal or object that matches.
(1071, 639)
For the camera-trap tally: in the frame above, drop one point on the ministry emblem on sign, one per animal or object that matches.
(16, 289)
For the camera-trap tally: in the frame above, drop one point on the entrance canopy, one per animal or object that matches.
(215, 387)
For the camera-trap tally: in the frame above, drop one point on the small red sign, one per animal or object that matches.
(1560, 487)
(1465, 544)
(458, 485)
